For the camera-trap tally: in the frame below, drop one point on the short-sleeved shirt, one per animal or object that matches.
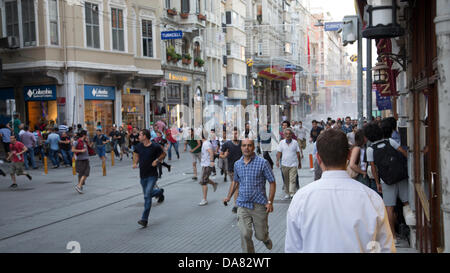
(315, 133)
(18, 148)
(114, 134)
(289, 153)
(193, 143)
(252, 179)
(148, 154)
(206, 158)
(16, 126)
(346, 129)
(234, 153)
(6, 133)
(84, 155)
(63, 146)
(134, 139)
(53, 139)
(28, 139)
(99, 140)
(369, 150)
(122, 135)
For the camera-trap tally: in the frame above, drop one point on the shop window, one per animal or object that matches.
(133, 110)
(40, 112)
(117, 29)
(99, 111)
(92, 25)
(147, 38)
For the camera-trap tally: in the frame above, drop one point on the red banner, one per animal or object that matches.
(390, 88)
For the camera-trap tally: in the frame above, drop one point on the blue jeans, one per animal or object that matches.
(29, 154)
(67, 156)
(175, 145)
(148, 184)
(54, 157)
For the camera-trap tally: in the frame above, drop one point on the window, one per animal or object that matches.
(167, 4)
(196, 50)
(244, 81)
(147, 38)
(28, 23)
(53, 21)
(117, 29)
(242, 53)
(197, 6)
(185, 46)
(12, 19)
(185, 6)
(228, 49)
(234, 81)
(228, 17)
(173, 91)
(92, 25)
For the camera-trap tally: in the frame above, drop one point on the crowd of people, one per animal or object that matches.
(353, 166)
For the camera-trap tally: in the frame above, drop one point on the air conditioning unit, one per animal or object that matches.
(10, 42)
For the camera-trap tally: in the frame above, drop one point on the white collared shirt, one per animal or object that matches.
(289, 153)
(337, 214)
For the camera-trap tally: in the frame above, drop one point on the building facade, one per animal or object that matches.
(82, 61)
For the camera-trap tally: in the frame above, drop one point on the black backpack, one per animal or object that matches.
(391, 164)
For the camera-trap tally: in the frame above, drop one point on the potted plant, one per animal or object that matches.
(171, 55)
(178, 57)
(184, 15)
(172, 11)
(201, 17)
(198, 62)
(187, 58)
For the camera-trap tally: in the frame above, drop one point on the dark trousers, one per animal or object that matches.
(267, 157)
(160, 167)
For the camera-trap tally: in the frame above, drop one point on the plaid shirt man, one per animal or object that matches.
(252, 181)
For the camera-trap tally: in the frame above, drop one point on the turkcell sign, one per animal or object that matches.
(97, 92)
(41, 92)
(333, 26)
(171, 35)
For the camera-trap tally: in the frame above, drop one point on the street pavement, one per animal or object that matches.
(45, 214)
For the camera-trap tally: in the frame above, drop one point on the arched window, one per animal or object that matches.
(197, 50)
(185, 46)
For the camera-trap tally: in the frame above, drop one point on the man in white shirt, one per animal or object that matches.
(301, 133)
(337, 213)
(289, 154)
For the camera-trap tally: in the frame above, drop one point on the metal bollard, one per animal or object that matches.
(112, 158)
(104, 167)
(74, 170)
(45, 165)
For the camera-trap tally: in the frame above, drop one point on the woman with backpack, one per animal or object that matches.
(357, 166)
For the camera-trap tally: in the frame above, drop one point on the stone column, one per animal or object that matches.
(442, 21)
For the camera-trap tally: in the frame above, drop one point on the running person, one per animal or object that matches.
(196, 149)
(148, 154)
(80, 149)
(17, 149)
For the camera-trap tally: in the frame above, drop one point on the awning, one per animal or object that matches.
(275, 73)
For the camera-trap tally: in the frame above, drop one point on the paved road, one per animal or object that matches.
(45, 214)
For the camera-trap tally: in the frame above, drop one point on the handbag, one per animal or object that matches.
(91, 151)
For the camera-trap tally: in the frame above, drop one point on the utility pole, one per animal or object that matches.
(369, 81)
(360, 94)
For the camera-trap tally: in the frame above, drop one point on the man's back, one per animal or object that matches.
(337, 214)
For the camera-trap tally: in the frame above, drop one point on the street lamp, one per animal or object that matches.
(382, 20)
(380, 74)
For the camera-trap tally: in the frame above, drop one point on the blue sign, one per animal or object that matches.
(7, 93)
(290, 66)
(333, 26)
(383, 103)
(97, 92)
(39, 93)
(170, 35)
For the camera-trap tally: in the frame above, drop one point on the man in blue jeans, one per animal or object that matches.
(148, 154)
(53, 139)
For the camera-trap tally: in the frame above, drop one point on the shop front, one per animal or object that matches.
(133, 108)
(7, 104)
(99, 107)
(178, 88)
(41, 105)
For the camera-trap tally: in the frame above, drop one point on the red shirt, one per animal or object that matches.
(18, 148)
(169, 137)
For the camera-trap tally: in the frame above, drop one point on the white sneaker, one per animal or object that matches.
(410, 218)
(203, 202)
(286, 197)
(291, 196)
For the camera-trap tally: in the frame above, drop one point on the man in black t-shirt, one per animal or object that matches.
(134, 139)
(66, 149)
(114, 137)
(315, 131)
(148, 154)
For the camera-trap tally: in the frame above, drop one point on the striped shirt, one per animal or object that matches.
(252, 181)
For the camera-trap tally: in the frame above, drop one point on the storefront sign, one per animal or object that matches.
(173, 77)
(383, 103)
(39, 93)
(96, 92)
(333, 26)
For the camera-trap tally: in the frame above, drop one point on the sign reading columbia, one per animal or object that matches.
(41, 92)
(97, 92)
